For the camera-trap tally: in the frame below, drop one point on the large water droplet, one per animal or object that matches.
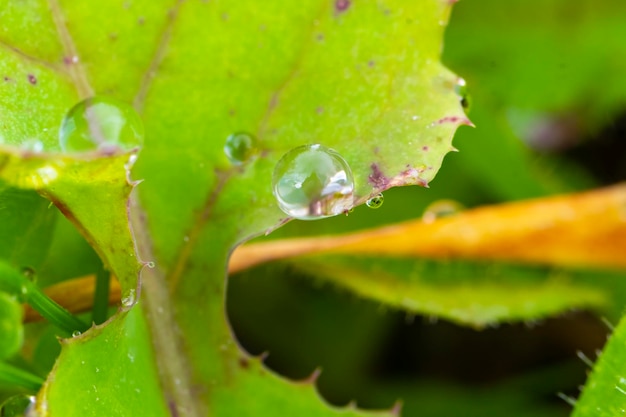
(312, 181)
(441, 208)
(376, 201)
(461, 90)
(239, 147)
(17, 405)
(101, 123)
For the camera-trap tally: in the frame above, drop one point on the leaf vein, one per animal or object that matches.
(159, 54)
(76, 69)
(17, 51)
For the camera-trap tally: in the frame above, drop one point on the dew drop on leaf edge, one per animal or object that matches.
(239, 147)
(375, 201)
(101, 124)
(312, 182)
(460, 88)
(17, 405)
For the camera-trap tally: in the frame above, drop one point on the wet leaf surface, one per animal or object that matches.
(198, 72)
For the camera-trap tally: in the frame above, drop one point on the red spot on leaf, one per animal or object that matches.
(454, 119)
(342, 5)
(377, 178)
(32, 79)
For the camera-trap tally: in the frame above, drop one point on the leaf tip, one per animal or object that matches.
(396, 409)
(312, 379)
(457, 120)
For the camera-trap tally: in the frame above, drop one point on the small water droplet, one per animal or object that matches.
(29, 273)
(32, 145)
(76, 333)
(129, 299)
(375, 201)
(150, 264)
(461, 90)
(239, 147)
(101, 123)
(132, 158)
(17, 405)
(312, 182)
(441, 208)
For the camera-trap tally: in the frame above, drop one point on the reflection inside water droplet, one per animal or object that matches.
(76, 333)
(30, 274)
(129, 299)
(441, 208)
(375, 201)
(103, 124)
(32, 145)
(312, 181)
(239, 147)
(17, 405)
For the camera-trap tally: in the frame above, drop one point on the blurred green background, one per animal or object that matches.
(548, 98)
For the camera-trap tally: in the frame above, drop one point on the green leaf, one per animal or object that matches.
(26, 291)
(130, 387)
(17, 378)
(26, 226)
(361, 78)
(604, 393)
(466, 293)
(11, 329)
